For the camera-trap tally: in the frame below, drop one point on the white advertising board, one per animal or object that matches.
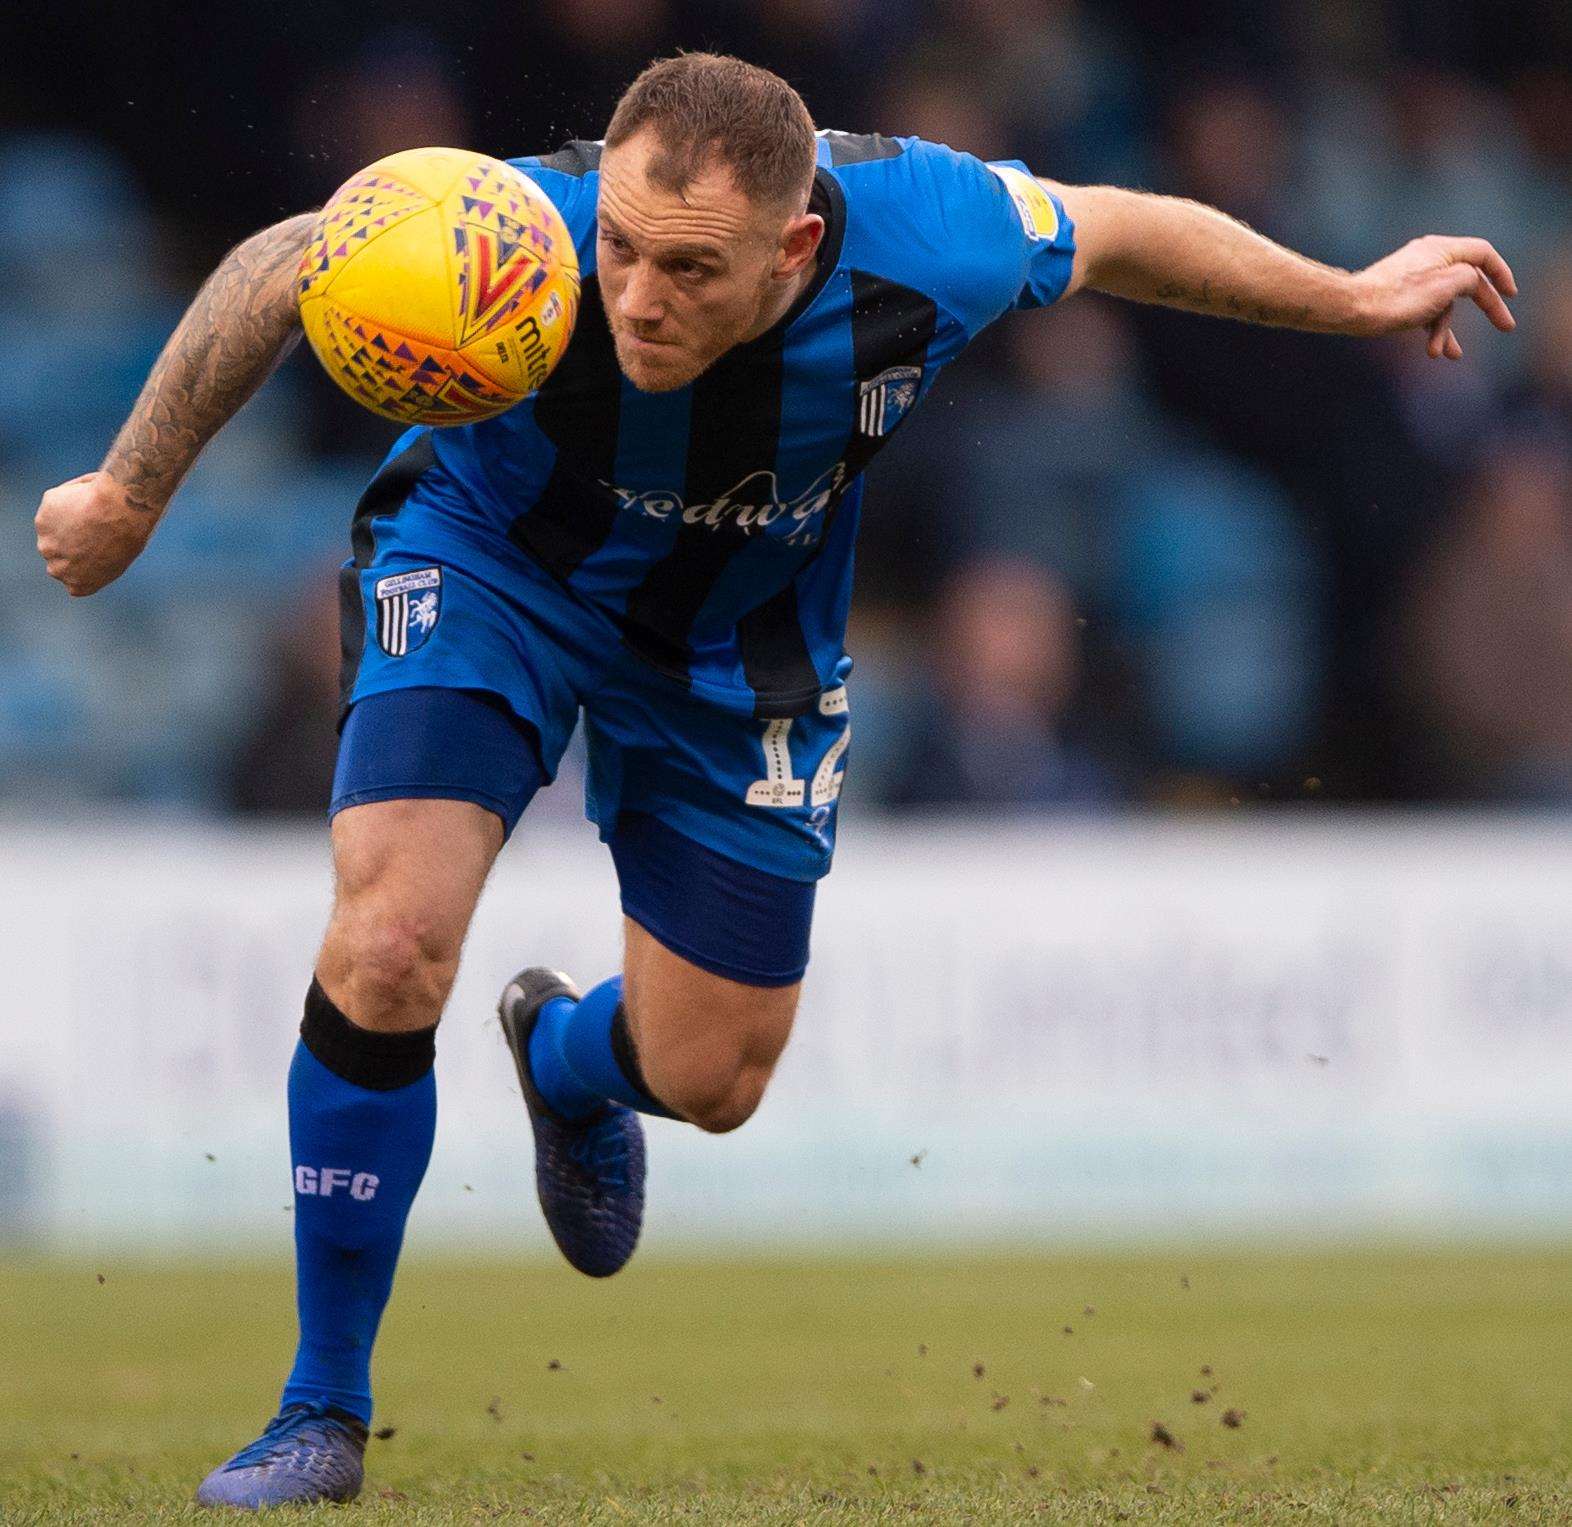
(1315, 1026)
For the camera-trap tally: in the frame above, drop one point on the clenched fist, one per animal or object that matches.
(89, 532)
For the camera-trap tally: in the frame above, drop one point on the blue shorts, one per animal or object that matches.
(454, 744)
(430, 603)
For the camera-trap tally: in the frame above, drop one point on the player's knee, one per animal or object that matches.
(709, 1056)
(397, 967)
(722, 1098)
(397, 953)
(720, 1112)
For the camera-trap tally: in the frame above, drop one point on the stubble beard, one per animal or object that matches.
(676, 374)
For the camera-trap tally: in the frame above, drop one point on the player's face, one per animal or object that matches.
(685, 278)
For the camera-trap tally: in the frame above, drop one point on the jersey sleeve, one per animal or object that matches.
(570, 177)
(1046, 236)
(1004, 239)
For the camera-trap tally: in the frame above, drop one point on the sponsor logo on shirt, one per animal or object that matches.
(752, 505)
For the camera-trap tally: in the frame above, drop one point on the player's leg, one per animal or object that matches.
(717, 869)
(690, 1029)
(362, 1096)
(705, 1044)
(429, 783)
(362, 1114)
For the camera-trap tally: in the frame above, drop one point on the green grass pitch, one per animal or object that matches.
(1361, 1386)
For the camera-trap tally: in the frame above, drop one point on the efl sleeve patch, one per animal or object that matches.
(1047, 250)
(1038, 215)
(978, 238)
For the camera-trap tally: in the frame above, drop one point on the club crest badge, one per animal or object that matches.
(884, 402)
(408, 606)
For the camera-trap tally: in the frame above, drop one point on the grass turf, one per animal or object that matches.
(1396, 1386)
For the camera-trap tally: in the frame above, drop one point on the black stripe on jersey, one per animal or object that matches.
(858, 148)
(892, 325)
(578, 411)
(580, 157)
(732, 439)
(775, 657)
(385, 494)
(734, 434)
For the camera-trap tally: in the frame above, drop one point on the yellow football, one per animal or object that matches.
(440, 286)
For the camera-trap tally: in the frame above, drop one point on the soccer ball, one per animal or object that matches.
(439, 287)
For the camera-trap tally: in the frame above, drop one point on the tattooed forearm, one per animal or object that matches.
(243, 322)
(1206, 299)
(1182, 254)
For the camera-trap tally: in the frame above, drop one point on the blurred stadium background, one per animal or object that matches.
(1206, 854)
(1206, 860)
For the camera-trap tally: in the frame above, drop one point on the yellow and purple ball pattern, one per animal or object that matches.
(439, 286)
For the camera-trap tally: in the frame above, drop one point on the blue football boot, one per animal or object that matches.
(589, 1173)
(309, 1452)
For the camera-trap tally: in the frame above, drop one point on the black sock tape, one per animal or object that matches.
(626, 1056)
(380, 1062)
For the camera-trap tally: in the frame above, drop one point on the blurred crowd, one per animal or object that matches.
(1124, 555)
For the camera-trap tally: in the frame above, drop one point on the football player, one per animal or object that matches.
(658, 541)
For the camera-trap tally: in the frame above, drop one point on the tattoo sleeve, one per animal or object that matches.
(241, 325)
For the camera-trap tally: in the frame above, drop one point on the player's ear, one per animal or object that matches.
(799, 243)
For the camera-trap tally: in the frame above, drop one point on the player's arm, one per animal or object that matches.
(1179, 253)
(243, 322)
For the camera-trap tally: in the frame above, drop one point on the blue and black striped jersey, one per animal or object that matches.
(714, 524)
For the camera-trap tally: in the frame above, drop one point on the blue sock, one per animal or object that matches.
(362, 1114)
(581, 1054)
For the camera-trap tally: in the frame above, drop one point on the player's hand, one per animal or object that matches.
(1418, 286)
(89, 532)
